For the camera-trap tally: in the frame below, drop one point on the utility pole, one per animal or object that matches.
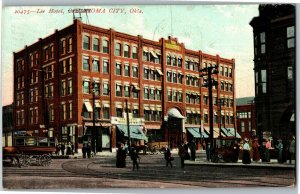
(128, 129)
(221, 103)
(94, 121)
(208, 71)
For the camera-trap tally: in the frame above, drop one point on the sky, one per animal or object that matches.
(214, 29)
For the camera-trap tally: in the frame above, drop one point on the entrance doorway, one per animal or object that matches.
(175, 128)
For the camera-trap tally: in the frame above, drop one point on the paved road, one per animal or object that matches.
(101, 172)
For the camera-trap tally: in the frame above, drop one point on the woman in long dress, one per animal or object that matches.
(255, 146)
(246, 152)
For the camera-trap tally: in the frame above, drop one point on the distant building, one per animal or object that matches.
(7, 125)
(56, 77)
(274, 67)
(245, 117)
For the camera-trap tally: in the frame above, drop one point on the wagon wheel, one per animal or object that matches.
(45, 160)
(24, 160)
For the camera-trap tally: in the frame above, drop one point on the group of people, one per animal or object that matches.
(122, 153)
(61, 147)
(259, 152)
(87, 150)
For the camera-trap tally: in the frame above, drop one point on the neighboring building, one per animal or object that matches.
(7, 125)
(161, 81)
(274, 67)
(245, 117)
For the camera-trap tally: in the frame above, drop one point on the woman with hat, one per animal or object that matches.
(246, 152)
(255, 146)
(280, 148)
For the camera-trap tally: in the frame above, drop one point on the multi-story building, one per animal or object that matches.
(245, 117)
(58, 78)
(274, 67)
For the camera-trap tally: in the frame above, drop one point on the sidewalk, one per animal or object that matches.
(201, 161)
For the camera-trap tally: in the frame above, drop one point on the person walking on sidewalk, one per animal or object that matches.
(246, 152)
(168, 156)
(193, 150)
(208, 151)
(292, 149)
(267, 152)
(255, 146)
(121, 157)
(134, 157)
(280, 148)
(182, 154)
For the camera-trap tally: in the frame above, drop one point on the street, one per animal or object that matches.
(100, 172)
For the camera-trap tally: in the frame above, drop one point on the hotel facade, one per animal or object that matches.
(75, 83)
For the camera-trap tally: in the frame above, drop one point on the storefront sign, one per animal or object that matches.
(123, 121)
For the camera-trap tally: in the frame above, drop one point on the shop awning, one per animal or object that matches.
(231, 132)
(135, 131)
(194, 132)
(159, 72)
(173, 112)
(153, 54)
(88, 106)
(216, 132)
(97, 104)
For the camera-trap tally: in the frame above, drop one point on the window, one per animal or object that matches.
(174, 78)
(96, 88)
(169, 76)
(215, 118)
(85, 64)
(135, 72)
(96, 44)
(152, 96)
(46, 53)
(126, 91)
(96, 65)
(126, 51)
(168, 60)
(86, 42)
(145, 55)
(146, 73)
(290, 73)
(31, 95)
(158, 94)
(105, 89)
(226, 86)
(105, 46)
(205, 118)
(191, 66)
(46, 90)
(64, 111)
(205, 99)
(105, 67)
(221, 70)
(222, 86)
(36, 93)
(86, 87)
(157, 59)
(134, 52)
(179, 62)
(196, 66)
(187, 98)
(230, 72)
(146, 92)
(169, 95)
(126, 70)
(226, 71)
(51, 54)
(180, 78)
(242, 126)
(118, 90)
(180, 98)
(135, 94)
(36, 115)
(119, 112)
(290, 34)
(174, 96)
(70, 42)
(63, 67)
(231, 119)
(186, 64)
(135, 113)
(187, 80)
(105, 111)
(174, 61)
(51, 112)
(118, 49)
(70, 65)
(118, 69)
(146, 115)
(262, 42)
(70, 110)
(152, 74)
(36, 58)
(264, 80)
(63, 88)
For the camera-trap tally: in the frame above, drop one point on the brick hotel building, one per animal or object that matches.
(57, 77)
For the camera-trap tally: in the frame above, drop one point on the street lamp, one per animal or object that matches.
(208, 71)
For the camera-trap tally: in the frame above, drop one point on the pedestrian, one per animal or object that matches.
(84, 150)
(57, 149)
(246, 152)
(267, 151)
(241, 149)
(182, 154)
(168, 156)
(121, 157)
(126, 147)
(208, 151)
(193, 150)
(255, 148)
(89, 149)
(236, 151)
(63, 147)
(292, 149)
(72, 148)
(186, 149)
(68, 149)
(204, 145)
(279, 146)
(134, 157)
